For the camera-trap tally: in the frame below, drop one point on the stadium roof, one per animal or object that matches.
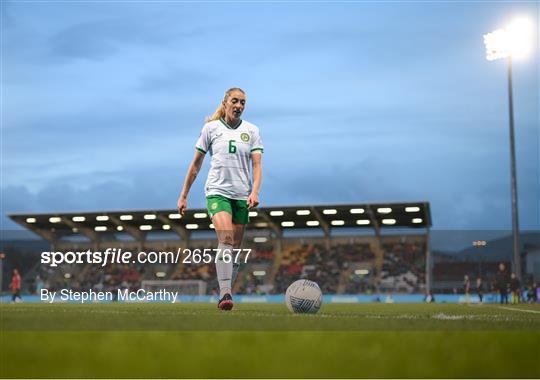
(54, 226)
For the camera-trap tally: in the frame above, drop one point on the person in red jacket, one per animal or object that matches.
(15, 286)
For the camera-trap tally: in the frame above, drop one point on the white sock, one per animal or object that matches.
(224, 269)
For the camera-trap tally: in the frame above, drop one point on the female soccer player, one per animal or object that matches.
(232, 143)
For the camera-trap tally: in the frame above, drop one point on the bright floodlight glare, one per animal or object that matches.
(287, 224)
(261, 224)
(253, 214)
(200, 215)
(100, 228)
(30, 220)
(330, 211)
(259, 273)
(175, 216)
(260, 239)
(145, 227)
(384, 210)
(150, 217)
(312, 223)
(102, 218)
(211, 225)
(417, 220)
(515, 40)
(276, 213)
(160, 274)
(303, 212)
(389, 221)
(357, 210)
(166, 227)
(362, 222)
(412, 209)
(192, 226)
(120, 228)
(78, 219)
(337, 222)
(55, 219)
(126, 217)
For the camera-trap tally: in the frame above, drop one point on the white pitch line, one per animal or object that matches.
(526, 311)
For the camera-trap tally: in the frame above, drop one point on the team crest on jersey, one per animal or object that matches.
(214, 205)
(244, 137)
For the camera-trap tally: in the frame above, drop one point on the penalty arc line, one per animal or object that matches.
(525, 311)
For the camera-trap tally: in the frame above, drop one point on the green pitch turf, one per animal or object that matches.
(266, 341)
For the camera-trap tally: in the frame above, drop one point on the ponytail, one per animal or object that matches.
(220, 111)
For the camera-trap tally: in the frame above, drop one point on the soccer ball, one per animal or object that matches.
(303, 296)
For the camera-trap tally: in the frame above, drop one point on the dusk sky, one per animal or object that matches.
(356, 102)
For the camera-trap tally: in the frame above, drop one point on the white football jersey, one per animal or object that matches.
(231, 153)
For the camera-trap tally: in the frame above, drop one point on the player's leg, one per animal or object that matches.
(238, 236)
(221, 212)
(240, 220)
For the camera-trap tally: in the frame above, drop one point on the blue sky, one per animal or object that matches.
(356, 102)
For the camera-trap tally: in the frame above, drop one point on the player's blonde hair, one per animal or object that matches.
(220, 111)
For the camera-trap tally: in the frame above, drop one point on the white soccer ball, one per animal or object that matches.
(303, 296)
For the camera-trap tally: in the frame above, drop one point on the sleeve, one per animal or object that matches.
(256, 142)
(203, 143)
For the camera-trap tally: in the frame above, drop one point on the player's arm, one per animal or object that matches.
(256, 165)
(191, 175)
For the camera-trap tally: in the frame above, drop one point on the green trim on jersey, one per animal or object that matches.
(225, 124)
(261, 149)
(238, 208)
(200, 150)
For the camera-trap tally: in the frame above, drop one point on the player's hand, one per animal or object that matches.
(253, 200)
(182, 205)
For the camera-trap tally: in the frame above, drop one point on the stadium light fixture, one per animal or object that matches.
(55, 219)
(259, 273)
(337, 222)
(30, 220)
(78, 218)
(67, 276)
(100, 228)
(192, 226)
(389, 221)
(417, 220)
(200, 215)
(287, 224)
(329, 211)
(260, 239)
(211, 225)
(363, 222)
(303, 212)
(75, 230)
(312, 223)
(166, 227)
(175, 216)
(276, 213)
(253, 214)
(145, 227)
(120, 228)
(102, 218)
(126, 217)
(357, 210)
(514, 41)
(261, 225)
(160, 274)
(412, 209)
(384, 210)
(149, 217)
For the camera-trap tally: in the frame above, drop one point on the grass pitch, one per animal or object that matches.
(262, 341)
